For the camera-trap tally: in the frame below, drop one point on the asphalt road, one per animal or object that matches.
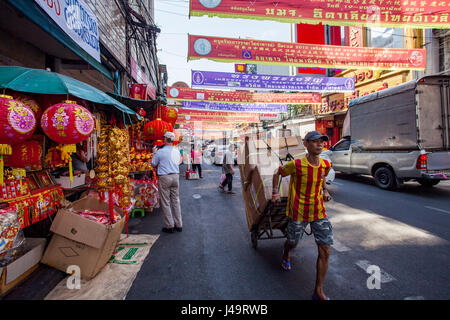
(405, 234)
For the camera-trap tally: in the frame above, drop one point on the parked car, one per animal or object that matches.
(398, 134)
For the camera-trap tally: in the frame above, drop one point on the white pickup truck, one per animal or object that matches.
(398, 134)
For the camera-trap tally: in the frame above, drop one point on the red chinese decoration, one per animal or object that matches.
(17, 123)
(142, 112)
(67, 123)
(27, 153)
(169, 114)
(155, 130)
(29, 102)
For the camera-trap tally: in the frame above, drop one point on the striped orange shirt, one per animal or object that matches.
(305, 199)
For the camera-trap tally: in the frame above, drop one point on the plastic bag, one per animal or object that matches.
(11, 236)
(222, 178)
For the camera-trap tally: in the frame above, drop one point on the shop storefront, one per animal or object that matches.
(331, 114)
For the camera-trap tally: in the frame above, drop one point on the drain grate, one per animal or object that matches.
(196, 196)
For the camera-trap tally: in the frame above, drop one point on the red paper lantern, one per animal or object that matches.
(67, 123)
(27, 153)
(29, 102)
(17, 121)
(155, 130)
(169, 114)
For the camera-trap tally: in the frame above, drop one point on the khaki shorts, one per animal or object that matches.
(322, 230)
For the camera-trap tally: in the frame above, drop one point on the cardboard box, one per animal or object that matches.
(18, 270)
(67, 184)
(82, 242)
(258, 169)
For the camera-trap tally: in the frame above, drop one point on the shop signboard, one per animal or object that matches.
(394, 14)
(78, 21)
(304, 55)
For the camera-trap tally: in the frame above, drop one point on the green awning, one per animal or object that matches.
(46, 82)
(31, 10)
(135, 104)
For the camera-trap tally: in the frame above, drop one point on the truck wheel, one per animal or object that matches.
(428, 182)
(385, 178)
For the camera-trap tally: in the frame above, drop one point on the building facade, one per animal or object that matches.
(107, 44)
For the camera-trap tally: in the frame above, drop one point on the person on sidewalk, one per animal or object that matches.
(196, 157)
(307, 192)
(167, 160)
(227, 169)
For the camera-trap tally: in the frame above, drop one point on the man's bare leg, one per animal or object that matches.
(321, 269)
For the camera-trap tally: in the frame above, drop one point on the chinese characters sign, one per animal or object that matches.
(188, 94)
(235, 107)
(304, 55)
(272, 82)
(383, 13)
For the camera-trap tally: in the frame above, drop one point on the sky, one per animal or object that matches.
(172, 17)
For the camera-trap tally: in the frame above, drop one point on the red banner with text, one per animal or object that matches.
(370, 13)
(304, 55)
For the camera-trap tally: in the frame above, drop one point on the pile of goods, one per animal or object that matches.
(100, 216)
(114, 164)
(57, 157)
(140, 161)
(146, 194)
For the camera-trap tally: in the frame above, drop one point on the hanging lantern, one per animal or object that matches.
(17, 123)
(29, 102)
(67, 123)
(24, 154)
(155, 130)
(169, 114)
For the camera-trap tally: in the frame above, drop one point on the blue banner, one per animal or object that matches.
(271, 82)
(235, 107)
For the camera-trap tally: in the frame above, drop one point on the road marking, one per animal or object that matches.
(385, 277)
(415, 298)
(437, 209)
(337, 183)
(340, 247)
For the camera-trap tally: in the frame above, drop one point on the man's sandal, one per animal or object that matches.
(314, 297)
(286, 265)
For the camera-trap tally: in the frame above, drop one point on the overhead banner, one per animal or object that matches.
(304, 55)
(77, 20)
(235, 107)
(383, 13)
(188, 94)
(271, 82)
(203, 126)
(216, 117)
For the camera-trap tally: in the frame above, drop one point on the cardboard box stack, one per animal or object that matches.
(258, 161)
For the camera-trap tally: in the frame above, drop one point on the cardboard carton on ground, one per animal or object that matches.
(18, 270)
(82, 242)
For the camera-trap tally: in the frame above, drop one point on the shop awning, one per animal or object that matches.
(46, 82)
(135, 104)
(40, 18)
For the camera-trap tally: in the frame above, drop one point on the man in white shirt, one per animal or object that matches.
(167, 160)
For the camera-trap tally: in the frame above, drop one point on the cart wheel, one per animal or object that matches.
(254, 238)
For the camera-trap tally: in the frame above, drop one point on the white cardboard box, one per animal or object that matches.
(34, 248)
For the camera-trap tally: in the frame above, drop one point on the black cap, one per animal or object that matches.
(314, 135)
